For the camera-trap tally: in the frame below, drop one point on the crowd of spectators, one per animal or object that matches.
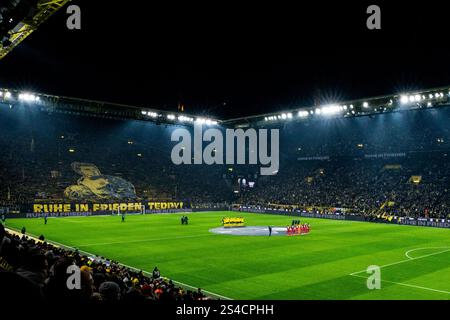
(38, 271)
(361, 164)
(368, 188)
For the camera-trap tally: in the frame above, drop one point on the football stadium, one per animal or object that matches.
(103, 201)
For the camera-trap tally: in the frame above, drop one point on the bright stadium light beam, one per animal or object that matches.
(404, 99)
(329, 110)
(28, 97)
(303, 113)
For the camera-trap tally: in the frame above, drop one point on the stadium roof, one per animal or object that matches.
(20, 18)
(424, 99)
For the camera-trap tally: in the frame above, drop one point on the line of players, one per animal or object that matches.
(298, 228)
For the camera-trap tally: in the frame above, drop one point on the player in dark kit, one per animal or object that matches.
(45, 219)
(123, 217)
(270, 231)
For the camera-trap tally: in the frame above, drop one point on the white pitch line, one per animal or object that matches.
(406, 285)
(126, 266)
(417, 249)
(403, 261)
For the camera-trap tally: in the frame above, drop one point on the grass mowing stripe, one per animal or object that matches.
(146, 240)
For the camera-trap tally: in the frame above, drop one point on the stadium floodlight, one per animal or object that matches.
(265, 119)
(171, 117)
(351, 106)
(436, 95)
(328, 110)
(7, 94)
(283, 116)
(318, 111)
(153, 114)
(289, 115)
(200, 120)
(365, 104)
(214, 122)
(1, 93)
(184, 118)
(404, 99)
(430, 96)
(417, 97)
(303, 113)
(143, 112)
(28, 97)
(429, 104)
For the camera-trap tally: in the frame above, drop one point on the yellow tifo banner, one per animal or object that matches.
(104, 207)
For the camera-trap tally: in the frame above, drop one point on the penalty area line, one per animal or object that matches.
(403, 261)
(405, 284)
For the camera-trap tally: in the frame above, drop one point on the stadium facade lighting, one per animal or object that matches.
(7, 94)
(289, 115)
(28, 97)
(171, 116)
(404, 99)
(365, 104)
(185, 119)
(143, 112)
(329, 110)
(303, 113)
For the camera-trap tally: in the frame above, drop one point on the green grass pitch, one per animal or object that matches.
(328, 263)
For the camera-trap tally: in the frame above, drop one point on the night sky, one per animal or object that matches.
(229, 60)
